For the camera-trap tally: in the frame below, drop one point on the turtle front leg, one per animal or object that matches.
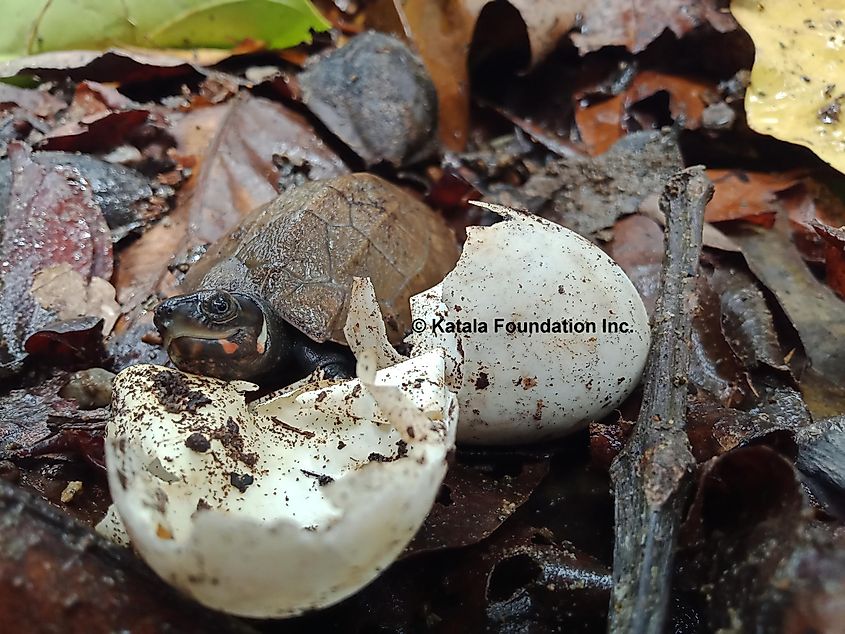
(334, 360)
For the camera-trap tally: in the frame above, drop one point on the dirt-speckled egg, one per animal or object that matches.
(543, 332)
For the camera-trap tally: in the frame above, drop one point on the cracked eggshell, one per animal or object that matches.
(288, 504)
(517, 387)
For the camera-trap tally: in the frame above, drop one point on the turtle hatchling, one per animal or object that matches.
(271, 297)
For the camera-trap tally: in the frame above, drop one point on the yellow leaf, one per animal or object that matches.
(797, 90)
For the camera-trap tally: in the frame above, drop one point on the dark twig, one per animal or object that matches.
(650, 475)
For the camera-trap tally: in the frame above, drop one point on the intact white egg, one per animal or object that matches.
(542, 330)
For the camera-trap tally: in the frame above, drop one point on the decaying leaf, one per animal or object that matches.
(834, 256)
(749, 196)
(797, 91)
(811, 306)
(753, 554)
(51, 219)
(603, 123)
(474, 499)
(63, 291)
(588, 194)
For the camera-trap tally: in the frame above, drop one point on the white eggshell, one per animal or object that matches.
(518, 387)
(336, 480)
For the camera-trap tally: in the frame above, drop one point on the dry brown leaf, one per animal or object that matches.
(834, 241)
(65, 293)
(51, 219)
(749, 196)
(603, 123)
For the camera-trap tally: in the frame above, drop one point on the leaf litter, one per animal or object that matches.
(540, 108)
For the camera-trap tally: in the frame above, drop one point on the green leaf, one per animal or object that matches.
(29, 27)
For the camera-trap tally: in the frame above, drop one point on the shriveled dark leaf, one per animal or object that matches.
(812, 308)
(124, 195)
(713, 365)
(113, 65)
(474, 500)
(375, 96)
(98, 119)
(51, 219)
(754, 555)
(69, 342)
(714, 429)
(588, 194)
(821, 459)
(747, 322)
(834, 256)
(54, 570)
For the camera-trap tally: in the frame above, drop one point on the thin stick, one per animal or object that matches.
(650, 474)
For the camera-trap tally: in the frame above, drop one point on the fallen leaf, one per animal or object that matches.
(474, 500)
(98, 118)
(747, 322)
(64, 292)
(125, 196)
(809, 203)
(796, 91)
(603, 123)
(834, 240)
(635, 25)
(39, 102)
(68, 24)
(749, 196)
(51, 219)
(714, 367)
(811, 306)
(588, 194)
(821, 458)
(752, 553)
(113, 64)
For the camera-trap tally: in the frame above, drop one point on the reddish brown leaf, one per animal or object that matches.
(807, 204)
(112, 65)
(834, 240)
(749, 196)
(51, 219)
(603, 123)
(474, 500)
(99, 118)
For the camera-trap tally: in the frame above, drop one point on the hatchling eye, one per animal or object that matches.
(220, 307)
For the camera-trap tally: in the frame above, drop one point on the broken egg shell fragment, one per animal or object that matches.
(293, 502)
(518, 387)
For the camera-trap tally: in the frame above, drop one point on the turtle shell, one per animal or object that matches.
(301, 251)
